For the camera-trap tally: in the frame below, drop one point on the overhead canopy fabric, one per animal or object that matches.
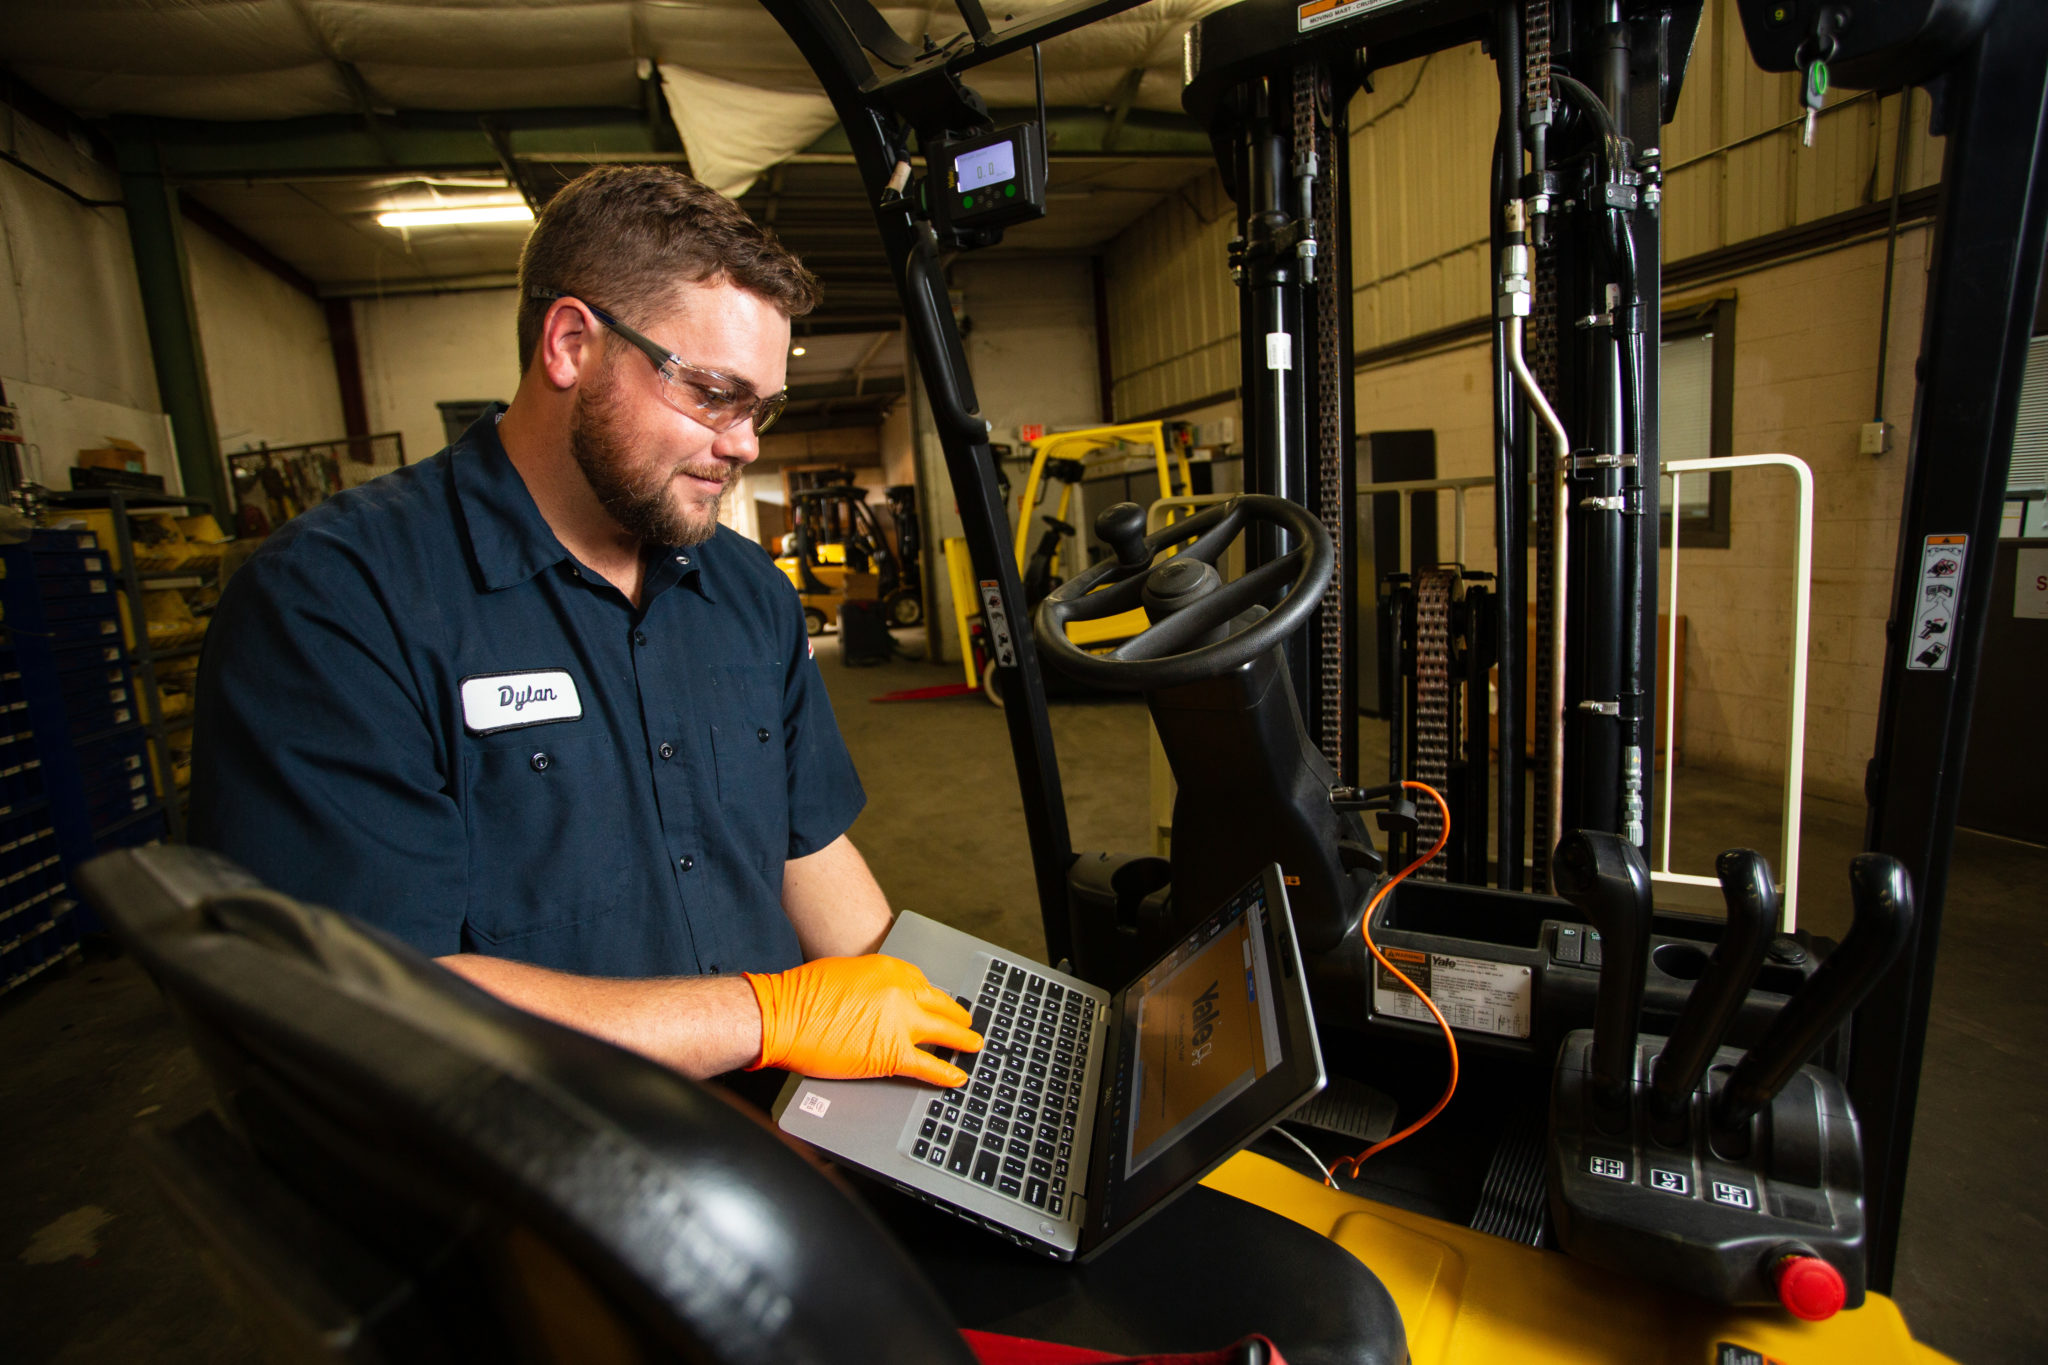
(269, 59)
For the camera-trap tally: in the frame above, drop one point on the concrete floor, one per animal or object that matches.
(92, 1270)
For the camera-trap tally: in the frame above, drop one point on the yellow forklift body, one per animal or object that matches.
(1468, 1298)
(1083, 445)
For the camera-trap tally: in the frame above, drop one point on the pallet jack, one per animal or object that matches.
(1666, 1143)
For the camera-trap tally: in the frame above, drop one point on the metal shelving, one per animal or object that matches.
(134, 582)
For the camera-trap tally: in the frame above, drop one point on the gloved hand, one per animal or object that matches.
(838, 1018)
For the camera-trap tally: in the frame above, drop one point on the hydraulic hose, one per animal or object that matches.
(1560, 543)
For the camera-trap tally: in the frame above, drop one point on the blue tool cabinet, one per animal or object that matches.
(76, 770)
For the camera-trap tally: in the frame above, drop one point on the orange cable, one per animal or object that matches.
(1365, 928)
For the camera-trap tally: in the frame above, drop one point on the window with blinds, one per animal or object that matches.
(2026, 486)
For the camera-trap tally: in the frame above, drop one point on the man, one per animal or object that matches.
(526, 705)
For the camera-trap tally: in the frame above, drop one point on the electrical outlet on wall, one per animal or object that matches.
(1875, 439)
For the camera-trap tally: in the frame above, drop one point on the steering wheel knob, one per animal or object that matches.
(1122, 529)
(1176, 583)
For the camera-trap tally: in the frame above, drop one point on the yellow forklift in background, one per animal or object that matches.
(1065, 458)
(837, 536)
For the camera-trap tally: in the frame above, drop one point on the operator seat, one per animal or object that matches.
(400, 1166)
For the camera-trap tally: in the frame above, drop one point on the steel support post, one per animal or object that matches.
(156, 237)
(1980, 307)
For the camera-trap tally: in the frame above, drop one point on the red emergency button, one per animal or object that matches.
(1809, 1287)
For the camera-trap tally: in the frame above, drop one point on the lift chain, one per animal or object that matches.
(1433, 696)
(1312, 134)
(1542, 358)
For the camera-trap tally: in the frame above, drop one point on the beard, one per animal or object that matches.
(641, 495)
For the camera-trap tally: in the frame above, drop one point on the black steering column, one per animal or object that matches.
(1253, 789)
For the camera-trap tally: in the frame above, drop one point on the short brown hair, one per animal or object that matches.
(631, 234)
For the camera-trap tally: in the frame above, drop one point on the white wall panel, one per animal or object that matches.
(269, 363)
(422, 349)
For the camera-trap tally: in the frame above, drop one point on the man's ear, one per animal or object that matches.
(570, 347)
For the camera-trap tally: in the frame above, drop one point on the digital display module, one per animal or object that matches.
(989, 165)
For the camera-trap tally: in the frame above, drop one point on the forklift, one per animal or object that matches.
(838, 534)
(1062, 460)
(1640, 1162)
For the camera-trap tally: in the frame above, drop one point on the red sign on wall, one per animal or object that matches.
(1034, 431)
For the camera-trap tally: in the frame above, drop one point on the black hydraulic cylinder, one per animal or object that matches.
(1883, 901)
(1752, 918)
(1603, 875)
(1510, 434)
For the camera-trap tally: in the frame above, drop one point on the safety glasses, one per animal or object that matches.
(715, 400)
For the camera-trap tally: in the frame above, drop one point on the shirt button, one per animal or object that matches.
(686, 862)
(541, 761)
(639, 637)
(762, 734)
(667, 751)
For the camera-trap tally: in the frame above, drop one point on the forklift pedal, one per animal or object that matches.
(1351, 1108)
(1513, 1203)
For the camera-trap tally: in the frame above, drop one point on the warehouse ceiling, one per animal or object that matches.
(290, 125)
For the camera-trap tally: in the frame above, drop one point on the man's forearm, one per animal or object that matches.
(702, 1026)
(834, 903)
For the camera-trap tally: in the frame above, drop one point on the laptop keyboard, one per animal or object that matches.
(1011, 1127)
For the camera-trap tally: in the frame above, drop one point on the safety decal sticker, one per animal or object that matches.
(814, 1103)
(1728, 1353)
(1934, 611)
(1316, 13)
(998, 622)
(1279, 350)
(1473, 993)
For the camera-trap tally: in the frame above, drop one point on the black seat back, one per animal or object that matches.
(403, 1167)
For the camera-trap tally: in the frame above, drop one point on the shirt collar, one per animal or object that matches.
(509, 540)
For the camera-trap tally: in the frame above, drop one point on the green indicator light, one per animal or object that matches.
(1009, 191)
(967, 201)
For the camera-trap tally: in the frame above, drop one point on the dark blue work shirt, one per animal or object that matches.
(415, 706)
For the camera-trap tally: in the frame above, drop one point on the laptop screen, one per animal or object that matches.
(1213, 1044)
(1205, 1029)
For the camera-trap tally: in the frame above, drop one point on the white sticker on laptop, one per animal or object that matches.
(814, 1103)
(511, 701)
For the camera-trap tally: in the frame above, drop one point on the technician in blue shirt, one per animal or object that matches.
(526, 706)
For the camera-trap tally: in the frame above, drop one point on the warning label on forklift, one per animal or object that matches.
(998, 622)
(1934, 612)
(1485, 997)
(1315, 13)
(1728, 1353)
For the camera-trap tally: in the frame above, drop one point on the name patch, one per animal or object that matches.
(512, 701)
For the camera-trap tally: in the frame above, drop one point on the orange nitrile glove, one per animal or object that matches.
(839, 1018)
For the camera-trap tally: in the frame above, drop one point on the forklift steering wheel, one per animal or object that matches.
(1195, 632)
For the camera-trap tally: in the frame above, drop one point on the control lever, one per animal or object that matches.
(1122, 528)
(1883, 901)
(1752, 918)
(1604, 876)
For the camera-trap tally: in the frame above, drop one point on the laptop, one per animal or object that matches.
(1085, 1111)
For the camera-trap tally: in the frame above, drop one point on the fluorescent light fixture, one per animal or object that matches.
(796, 350)
(481, 213)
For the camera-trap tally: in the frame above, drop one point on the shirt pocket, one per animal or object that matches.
(748, 756)
(543, 838)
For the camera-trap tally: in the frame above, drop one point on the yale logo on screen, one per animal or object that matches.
(511, 701)
(1205, 1024)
